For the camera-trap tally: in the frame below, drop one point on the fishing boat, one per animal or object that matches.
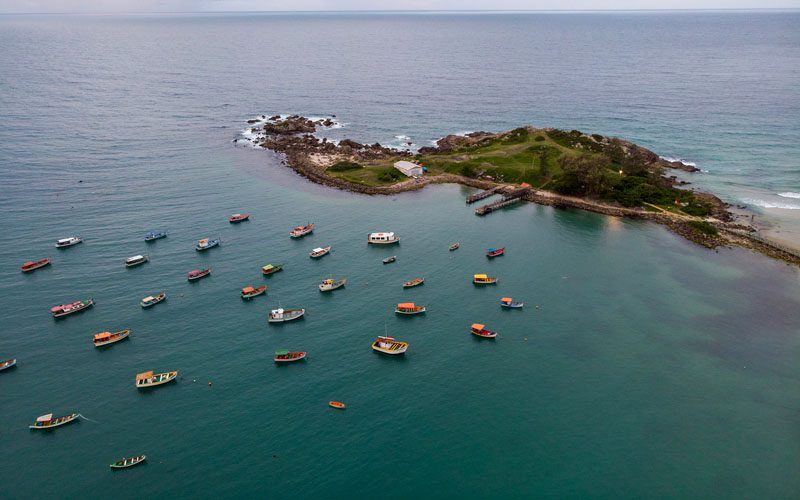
(286, 356)
(32, 266)
(136, 260)
(281, 315)
(106, 338)
(319, 252)
(197, 274)
(389, 260)
(48, 422)
(155, 235)
(481, 331)
(482, 279)
(331, 284)
(382, 238)
(68, 242)
(271, 268)
(409, 308)
(301, 231)
(65, 309)
(454, 246)
(337, 404)
(124, 463)
(149, 379)
(495, 252)
(233, 219)
(152, 300)
(206, 243)
(414, 282)
(388, 345)
(510, 304)
(8, 364)
(249, 292)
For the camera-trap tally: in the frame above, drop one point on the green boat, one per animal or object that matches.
(271, 268)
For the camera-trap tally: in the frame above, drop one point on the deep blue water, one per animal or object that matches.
(652, 367)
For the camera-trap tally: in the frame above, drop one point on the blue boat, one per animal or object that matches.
(155, 235)
(206, 243)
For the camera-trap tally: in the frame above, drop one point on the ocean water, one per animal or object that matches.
(650, 368)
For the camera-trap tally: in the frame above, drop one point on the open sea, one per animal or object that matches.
(642, 366)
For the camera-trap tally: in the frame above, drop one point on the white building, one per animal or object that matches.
(408, 168)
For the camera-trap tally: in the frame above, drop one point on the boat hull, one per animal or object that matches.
(10, 363)
(206, 247)
(136, 263)
(284, 318)
(25, 268)
(158, 299)
(165, 380)
(128, 462)
(331, 287)
(268, 272)
(122, 336)
(410, 313)
(59, 422)
(198, 276)
(254, 294)
(412, 284)
(69, 244)
(78, 309)
(300, 357)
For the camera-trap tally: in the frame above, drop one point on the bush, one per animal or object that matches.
(389, 174)
(538, 138)
(702, 226)
(343, 166)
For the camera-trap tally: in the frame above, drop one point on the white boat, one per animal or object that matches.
(152, 300)
(136, 260)
(319, 252)
(281, 315)
(68, 242)
(149, 379)
(124, 463)
(331, 284)
(382, 238)
(48, 422)
(8, 363)
(206, 243)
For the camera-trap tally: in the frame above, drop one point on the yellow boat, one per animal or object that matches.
(388, 345)
(482, 279)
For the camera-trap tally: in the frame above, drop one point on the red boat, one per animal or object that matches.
(233, 219)
(65, 309)
(286, 356)
(482, 331)
(32, 266)
(301, 231)
(197, 274)
(494, 252)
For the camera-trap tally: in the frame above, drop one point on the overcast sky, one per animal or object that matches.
(39, 6)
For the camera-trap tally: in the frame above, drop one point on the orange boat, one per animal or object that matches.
(409, 308)
(482, 331)
(32, 266)
(106, 338)
(338, 405)
(249, 292)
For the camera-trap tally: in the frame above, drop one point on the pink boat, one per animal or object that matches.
(197, 274)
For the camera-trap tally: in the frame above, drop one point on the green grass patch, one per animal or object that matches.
(703, 227)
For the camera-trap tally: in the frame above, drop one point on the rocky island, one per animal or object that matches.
(548, 166)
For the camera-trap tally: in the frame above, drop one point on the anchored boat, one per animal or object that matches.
(286, 356)
(282, 315)
(481, 331)
(319, 252)
(233, 219)
(482, 279)
(155, 235)
(106, 338)
(149, 379)
(206, 243)
(337, 404)
(454, 246)
(495, 252)
(32, 266)
(152, 300)
(68, 242)
(510, 304)
(414, 282)
(197, 274)
(48, 422)
(301, 231)
(8, 364)
(249, 292)
(388, 345)
(271, 268)
(382, 238)
(330, 284)
(65, 309)
(136, 260)
(409, 308)
(124, 463)
(389, 260)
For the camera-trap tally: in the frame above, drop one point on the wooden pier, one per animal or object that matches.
(483, 194)
(509, 198)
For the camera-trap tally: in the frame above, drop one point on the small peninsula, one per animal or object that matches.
(554, 167)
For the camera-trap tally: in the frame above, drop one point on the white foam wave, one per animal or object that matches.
(770, 204)
(685, 162)
(789, 194)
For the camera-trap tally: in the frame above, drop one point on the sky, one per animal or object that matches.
(107, 6)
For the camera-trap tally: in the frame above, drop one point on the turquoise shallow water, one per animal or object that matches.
(652, 368)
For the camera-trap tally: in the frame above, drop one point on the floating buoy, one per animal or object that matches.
(209, 383)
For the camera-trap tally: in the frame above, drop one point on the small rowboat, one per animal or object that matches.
(106, 338)
(286, 356)
(454, 246)
(509, 303)
(206, 243)
(197, 274)
(495, 252)
(481, 331)
(48, 422)
(282, 315)
(337, 404)
(136, 260)
(389, 260)
(414, 282)
(249, 292)
(8, 364)
(32, 266)
(65, 309)
(301, 231)
(124, 463)
(271, 268)
(330, 284)
(155, 235)
(68, 242)
(409, 308)
(388, 345)
(319, 252)
(149, 379)
(233, 219)
(482, 279)
(152, 300)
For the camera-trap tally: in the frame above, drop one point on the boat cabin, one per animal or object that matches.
(382, 238)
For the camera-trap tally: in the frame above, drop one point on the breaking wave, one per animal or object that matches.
(789, 194)
(770, 204)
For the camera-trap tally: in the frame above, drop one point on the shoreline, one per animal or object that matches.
(292, 137)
